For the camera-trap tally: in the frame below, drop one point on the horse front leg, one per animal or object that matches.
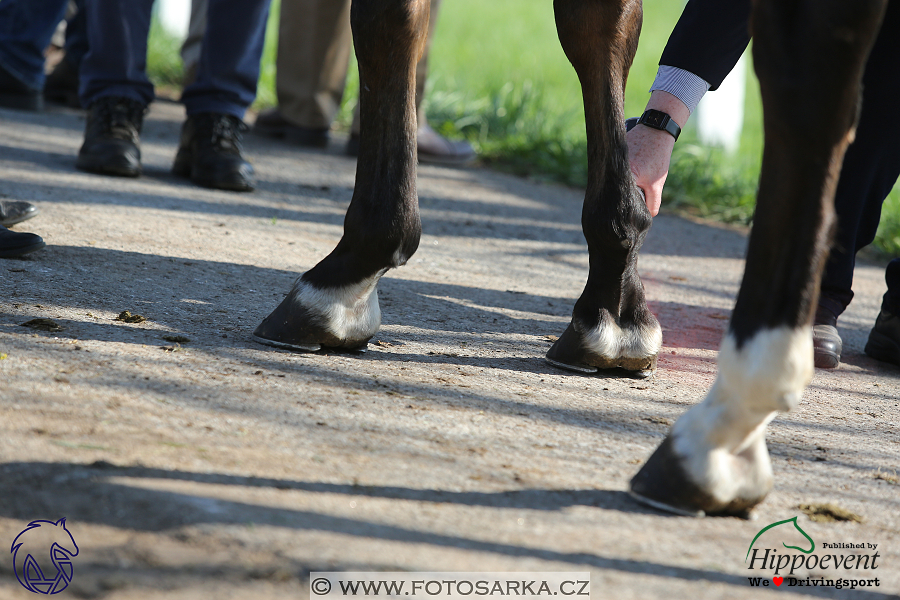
(611, 325)
(335, 304)
(809, 57)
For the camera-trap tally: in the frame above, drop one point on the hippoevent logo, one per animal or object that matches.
(833, 569)
(42, 557)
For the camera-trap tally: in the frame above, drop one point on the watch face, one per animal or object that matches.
(654, 118)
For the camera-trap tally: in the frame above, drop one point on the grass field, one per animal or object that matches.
(498, 77)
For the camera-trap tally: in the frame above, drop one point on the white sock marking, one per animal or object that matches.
(611, 341)
(350, 313)
(767, 375)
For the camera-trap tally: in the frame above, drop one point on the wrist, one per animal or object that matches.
(661, 121)
(671, 105)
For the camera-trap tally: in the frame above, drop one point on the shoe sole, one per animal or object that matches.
(120, 169)
(16, 252)
(826, 360)
(883, 348)
(234, 182)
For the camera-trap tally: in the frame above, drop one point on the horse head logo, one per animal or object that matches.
(812, 544)
(42, 556)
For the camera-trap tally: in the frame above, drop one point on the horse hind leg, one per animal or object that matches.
(335, 304)
(611, 326)
(809, 57)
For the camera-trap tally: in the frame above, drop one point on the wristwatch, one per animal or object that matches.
(657, 119)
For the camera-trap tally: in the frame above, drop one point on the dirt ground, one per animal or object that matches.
(191, 462)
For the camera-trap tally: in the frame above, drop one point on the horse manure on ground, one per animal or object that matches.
(829, 513)
(126, 317)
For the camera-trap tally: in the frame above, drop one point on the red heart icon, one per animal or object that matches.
(778, 580)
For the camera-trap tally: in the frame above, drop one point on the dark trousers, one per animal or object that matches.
(871, 167)
(116, 62)
(26, 27)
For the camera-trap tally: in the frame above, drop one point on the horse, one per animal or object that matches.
(809, 57)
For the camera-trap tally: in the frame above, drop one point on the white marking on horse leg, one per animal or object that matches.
(722, 439)
(349, 313)
(611, 341)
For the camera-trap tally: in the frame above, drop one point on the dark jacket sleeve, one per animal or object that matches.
(709, 38)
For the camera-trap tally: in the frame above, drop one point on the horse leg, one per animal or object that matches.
(611, 325)
(809, 57)
(335, 304)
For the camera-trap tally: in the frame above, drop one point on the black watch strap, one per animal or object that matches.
(657, 119)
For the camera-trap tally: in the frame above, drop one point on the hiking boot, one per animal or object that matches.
(884, 339)
(210, 153)
(111, 137)
(827, 344)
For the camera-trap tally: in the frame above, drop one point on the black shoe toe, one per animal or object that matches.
(110, 157)
(14, 243)
(16, 211)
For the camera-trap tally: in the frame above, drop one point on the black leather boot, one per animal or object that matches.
(211, 153)
(111, 137)
(884, 339)
(16, 211)
(15, 243)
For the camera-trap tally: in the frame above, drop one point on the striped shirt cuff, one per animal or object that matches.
(684, 85)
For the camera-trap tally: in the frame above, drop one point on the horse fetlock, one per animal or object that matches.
(311, 317)
(630, 345)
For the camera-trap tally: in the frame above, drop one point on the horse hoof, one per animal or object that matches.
(664, 483)
(309, 319)
(572, 352)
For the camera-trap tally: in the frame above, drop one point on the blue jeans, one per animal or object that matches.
(26, 27)
(116, 62)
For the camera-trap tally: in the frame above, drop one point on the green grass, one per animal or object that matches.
(499, 78)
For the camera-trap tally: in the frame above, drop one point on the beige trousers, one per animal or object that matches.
(314, 44)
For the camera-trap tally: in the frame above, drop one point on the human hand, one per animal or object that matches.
(649, 153)
(650, 150)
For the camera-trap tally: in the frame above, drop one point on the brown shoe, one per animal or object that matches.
(827, 344)
(271, 123)
(436, 149)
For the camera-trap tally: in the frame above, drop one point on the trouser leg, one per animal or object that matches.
(26, 27)
(190, 49)
(76, 35)
(870, 168)
(228, 69)
(314, 43)
(116, 62)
